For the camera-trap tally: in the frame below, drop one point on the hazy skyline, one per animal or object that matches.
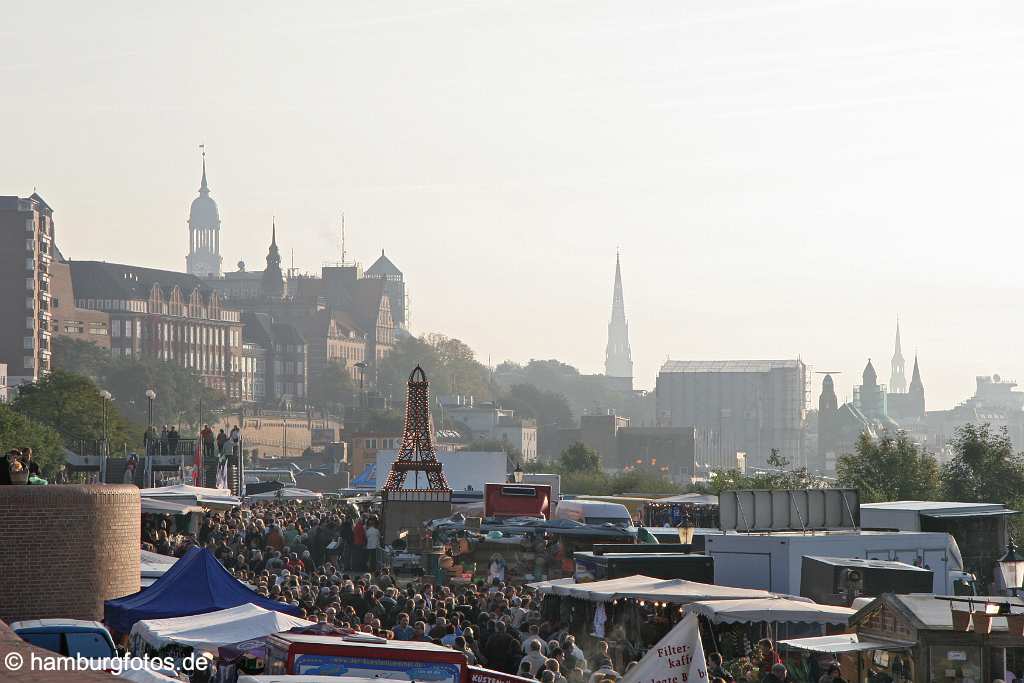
(783, 178)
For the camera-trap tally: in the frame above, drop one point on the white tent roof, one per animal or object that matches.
(287, 493)
(546, 586)
(157, 505)
(193, 495)
(154, 565)
(844, 642)
(144, 676)
(772, 610)
(211, 630)
(641, 587)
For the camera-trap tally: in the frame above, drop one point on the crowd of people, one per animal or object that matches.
(18, 467)
(165, 441)
(322, 557)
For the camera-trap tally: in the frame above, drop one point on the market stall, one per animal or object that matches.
(772, 610)
(196, 584)
(287, 493)
(688, 509)
(211, 630)
(153, 566)
(214, 499)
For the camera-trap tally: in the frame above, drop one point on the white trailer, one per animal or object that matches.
(465, 470)
(773, 561)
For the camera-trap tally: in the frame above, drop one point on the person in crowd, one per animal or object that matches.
(604, 669)
(208, 440)
(716, 670)
(236, 439)
(221, 441)
(832, 675)
(778, 674)
(534, 657)
(766, 656)
(172, 440)
(372, 543)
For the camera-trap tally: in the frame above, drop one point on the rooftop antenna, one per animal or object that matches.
(343, 239)
(293, 262)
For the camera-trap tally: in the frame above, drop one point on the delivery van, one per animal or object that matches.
(593, 512)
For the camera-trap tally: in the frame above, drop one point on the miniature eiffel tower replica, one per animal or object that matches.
(429, 497)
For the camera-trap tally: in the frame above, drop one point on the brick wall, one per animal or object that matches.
(66, 549)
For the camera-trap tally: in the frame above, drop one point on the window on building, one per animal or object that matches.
(55, 301)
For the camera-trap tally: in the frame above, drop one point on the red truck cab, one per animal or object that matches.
(517, 500)
(365, 657)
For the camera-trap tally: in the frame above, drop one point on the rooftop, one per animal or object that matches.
(102, 280)
(676, 366)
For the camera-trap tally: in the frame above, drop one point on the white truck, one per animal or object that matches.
(773, 561)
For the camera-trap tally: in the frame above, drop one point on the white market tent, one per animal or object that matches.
(193, 495)
(288, 493)
(154, 505)
(213, 629)
(153, 566)
(144, 676)
(845, 642)
(546, 586)
(639, 587)
(776, 610)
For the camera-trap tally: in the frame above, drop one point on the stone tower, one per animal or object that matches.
(203, 257)
(618, 361)
(828, 407)
(272, 284)
(916, 391)
(897, 379)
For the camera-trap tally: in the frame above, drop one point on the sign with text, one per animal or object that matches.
(677, 658)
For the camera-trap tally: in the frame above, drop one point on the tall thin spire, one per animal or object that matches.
(897, 378)
(273, 231)
(203, 187)
(618, 361)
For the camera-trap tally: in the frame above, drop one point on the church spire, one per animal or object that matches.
(618, 360)
(203, 187)
(897, 378)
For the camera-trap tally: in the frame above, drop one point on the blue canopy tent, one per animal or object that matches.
(195, 584)
(367, 478)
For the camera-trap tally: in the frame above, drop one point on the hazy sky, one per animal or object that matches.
(783, 177)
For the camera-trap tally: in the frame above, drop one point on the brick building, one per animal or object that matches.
(68, 319)
(166, 315)
(364, 446)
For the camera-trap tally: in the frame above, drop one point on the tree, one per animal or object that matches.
(889, 468)
(71, 404)
(331, 388)
(579, 458)
(82, 357)
(984, 468)
(18, 431)
(546, 407)
(450, 366)
(179, 391)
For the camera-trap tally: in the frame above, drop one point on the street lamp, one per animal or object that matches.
(517, 474)
(106, 396)
(362, 375)
(1011, 568)
(150, 395)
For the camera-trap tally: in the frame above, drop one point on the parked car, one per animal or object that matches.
(68, 637)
